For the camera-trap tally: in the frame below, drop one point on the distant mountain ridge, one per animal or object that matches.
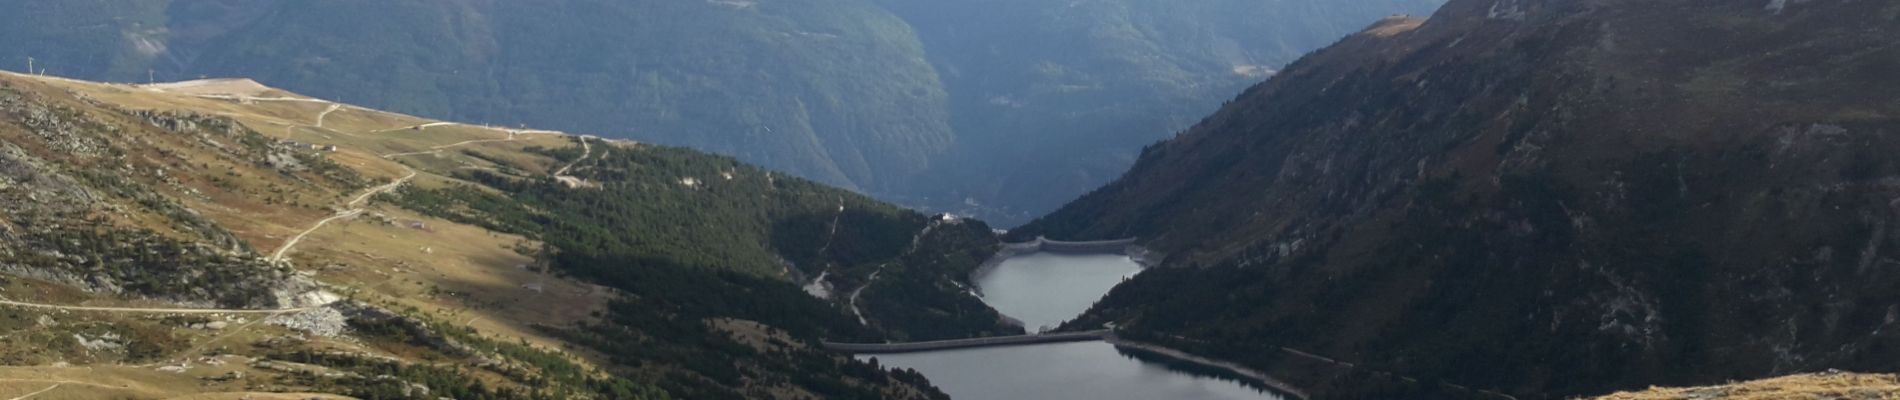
(1538, 198)
(998, 108)
(1051, 98)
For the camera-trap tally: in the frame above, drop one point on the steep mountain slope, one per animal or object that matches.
(257, 240)
(1051, 98)
(1541, 198)
(990, 107)
(86, 38)
(838, 91)
(834, 90)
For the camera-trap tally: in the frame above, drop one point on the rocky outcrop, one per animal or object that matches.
(89, 205)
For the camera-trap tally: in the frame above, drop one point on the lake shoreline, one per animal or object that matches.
(1146, 259)
(1043, 280)
(1254, 375)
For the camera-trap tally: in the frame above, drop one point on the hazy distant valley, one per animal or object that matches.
(1000, 109)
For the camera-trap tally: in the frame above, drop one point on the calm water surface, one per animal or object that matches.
(1046, 289)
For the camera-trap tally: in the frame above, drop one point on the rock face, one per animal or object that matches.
(1545, 198)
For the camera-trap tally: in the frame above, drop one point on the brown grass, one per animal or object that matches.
(455, 272)
(466, 275)
(125, 382)
(1808, 386)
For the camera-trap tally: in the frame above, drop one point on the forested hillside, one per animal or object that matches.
(1539, 198)
(1002, 109)
(655, 214)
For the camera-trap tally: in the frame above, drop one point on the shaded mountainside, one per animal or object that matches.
(1051, 98)
(838, 91)
(475, 262)
(1543, 198)
(998, 108)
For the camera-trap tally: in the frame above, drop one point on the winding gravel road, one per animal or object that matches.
(326, 113)
(356, 210)
(561, 174)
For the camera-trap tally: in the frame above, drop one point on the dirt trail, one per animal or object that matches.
(326, 113)
(418, 127)
(585, 151)
(47, 389)
(469, 142)
(561, 174)
(511, 132)
(278, 256)
(818, 287)
(833, 232)
(254, 98)
(354, 211)
(438, 149)
(412, 153)
(158, 310)
(60, 381)
(914, 241)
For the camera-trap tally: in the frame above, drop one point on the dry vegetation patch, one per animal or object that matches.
(1832, 385)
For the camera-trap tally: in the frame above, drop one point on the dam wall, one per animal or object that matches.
(995, 341)
(1119, 246)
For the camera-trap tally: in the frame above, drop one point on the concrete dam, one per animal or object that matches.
(996, 341)
(1066, 247)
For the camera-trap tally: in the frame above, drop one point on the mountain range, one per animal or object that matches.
(1003, 109)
